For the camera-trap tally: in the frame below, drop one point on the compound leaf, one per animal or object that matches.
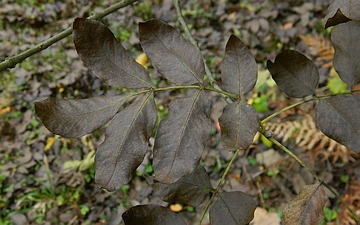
(338, 118)
(341, 11)
(170, 53)
(239, 123)
(191, 189)
(232, 208)
(77, 117)
(307, 207)
(345, 39)
(181, 137)
(151, 215)
(126, 142)
(295, 74)
(106, 57)
(239, 71)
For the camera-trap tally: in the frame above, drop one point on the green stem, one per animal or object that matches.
(221, 182)
(11, 62)
(304, 101)
(48, 175)
(229, 95)
(222, 93)
(178, 87)
(194, 87)
(181, 19)
(273, 140)
(283, 110)
(191, 38)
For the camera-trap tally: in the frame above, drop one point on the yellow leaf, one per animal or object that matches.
(5, 110)
(176, 207)
(50, 141)
(71, 165)
(142, 59)
(251, 100)
(256, 137)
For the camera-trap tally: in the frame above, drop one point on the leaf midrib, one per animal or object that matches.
(179, 140)
(177, 58)
(72, 117)
(127, 134)
(114, 43)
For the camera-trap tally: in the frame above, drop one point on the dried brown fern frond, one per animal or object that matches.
(321, 48)
(352, 199)
(306, 135)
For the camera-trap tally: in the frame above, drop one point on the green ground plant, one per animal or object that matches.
(182, 135)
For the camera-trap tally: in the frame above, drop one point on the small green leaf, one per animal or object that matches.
(251, 160)
(344, 178)
(266, 195)
(84, 209)
(261, 103)
(336, 85)
(330, 214)
(60, 200)
(71, 165)
(149, 169)
(266, 141)
(124, 189)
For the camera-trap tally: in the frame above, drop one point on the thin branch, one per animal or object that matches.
(11, 62)
(302, 102)
(273, 140)
(223, 93)
(194, 42)
(221, 182)
(191, 38)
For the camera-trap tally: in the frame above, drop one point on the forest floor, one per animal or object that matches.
(48, 179)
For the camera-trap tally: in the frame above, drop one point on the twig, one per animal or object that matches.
(191, 38)
(181, 19)
(11, 62)
(273, 140)
(221, 182)
(267, 119)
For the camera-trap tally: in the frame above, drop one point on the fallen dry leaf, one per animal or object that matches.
(307, 207)
(268, 158)
(261, 217)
